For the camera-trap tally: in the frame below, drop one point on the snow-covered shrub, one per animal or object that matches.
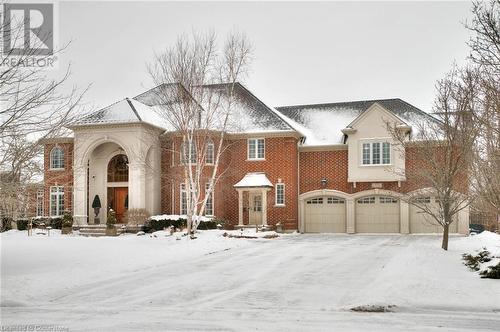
(67, 219)
(160, 224)
(6, 224)
(22, 224)
(473, 262)
(492, 272)
(111, 219)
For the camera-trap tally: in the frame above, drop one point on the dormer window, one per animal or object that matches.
(376, 153)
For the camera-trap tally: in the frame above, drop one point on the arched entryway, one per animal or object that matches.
(117, 185)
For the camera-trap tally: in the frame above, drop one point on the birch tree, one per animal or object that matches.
(196, 93)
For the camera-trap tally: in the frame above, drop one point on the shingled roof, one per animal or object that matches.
(248, 115)
(322, 123)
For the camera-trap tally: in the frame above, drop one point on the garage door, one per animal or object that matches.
(421, 222)
(325, 215)
(377, 214)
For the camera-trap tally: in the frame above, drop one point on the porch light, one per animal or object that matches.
(324, 182)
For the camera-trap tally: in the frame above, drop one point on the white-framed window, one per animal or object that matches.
(183, 199)
(376, 153)
(56, 201)
(209, 207)
(57, 158)
(256, 148)
(280, 194)
(367, 200)
(209, 153)
(39, 202)
(188, 150)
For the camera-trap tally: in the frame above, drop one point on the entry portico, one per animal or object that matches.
(252, 197)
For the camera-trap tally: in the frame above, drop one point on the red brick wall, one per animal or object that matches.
(58, 177)
(280, 163)
(333, 166)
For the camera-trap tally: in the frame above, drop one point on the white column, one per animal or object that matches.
(404, 215)
(240, 207)
(264, 206)
(80, 195)
(350, 216)
(137, 185)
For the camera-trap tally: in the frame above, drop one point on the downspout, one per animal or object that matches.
(299, 221)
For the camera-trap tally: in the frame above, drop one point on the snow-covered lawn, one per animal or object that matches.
(291, 283)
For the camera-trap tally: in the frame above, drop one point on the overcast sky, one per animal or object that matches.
(304, 52)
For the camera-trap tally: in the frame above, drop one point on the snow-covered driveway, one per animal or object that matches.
(293, 283)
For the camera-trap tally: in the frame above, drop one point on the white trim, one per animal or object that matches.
(181, 191)
(276, 194)
(57, 194)
(256, 139)
(61, 158)
(212, 198)
(372, 141)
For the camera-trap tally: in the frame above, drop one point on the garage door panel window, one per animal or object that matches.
(332, 200)
(388, 200)
(315, 201)
(367, 200)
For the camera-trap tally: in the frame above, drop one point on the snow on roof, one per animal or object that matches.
(248, 114)
(322, 123)
(252, 180)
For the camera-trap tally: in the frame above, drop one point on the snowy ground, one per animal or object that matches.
(292, 283)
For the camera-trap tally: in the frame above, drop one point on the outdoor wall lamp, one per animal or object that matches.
(324, 182)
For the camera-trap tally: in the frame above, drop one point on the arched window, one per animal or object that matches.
(118, 169)
(57, 158)
(209, 154)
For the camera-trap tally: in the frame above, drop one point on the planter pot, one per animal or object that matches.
(66, 230)
(111, 231)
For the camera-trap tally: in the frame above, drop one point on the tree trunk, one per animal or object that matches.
(446, 230)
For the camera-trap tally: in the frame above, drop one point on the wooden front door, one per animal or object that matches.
(118, 204)
(255, 209)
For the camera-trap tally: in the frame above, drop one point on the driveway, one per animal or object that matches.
(293, 283)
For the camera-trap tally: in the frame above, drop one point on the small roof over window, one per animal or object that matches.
(254, 180)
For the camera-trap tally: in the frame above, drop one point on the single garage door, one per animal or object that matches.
(377, 214)
(325, 215)
(421, 222)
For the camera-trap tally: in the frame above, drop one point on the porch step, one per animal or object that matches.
(95, 230)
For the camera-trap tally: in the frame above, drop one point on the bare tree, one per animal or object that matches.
(485, 53)
(32, 107)
(443, 149)
(197, 97)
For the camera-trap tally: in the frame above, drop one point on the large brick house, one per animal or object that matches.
(313, 168)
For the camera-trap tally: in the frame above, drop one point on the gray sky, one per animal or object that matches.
(304, 52)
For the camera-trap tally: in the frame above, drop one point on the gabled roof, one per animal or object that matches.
(322, 123)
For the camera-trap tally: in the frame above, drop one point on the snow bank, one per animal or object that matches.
(178, 216)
